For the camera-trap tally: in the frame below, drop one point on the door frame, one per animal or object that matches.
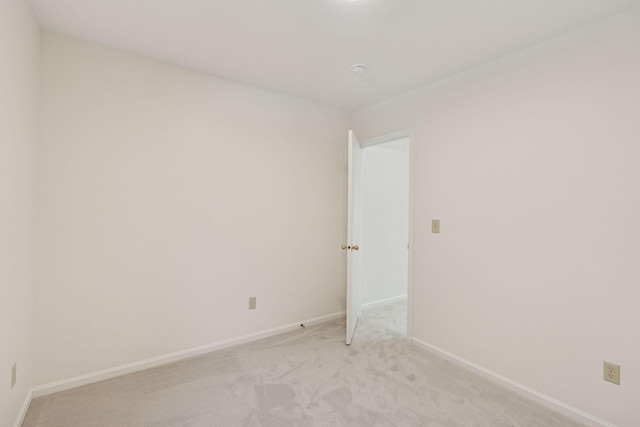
(404, 133)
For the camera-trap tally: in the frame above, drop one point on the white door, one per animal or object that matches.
(354, 236)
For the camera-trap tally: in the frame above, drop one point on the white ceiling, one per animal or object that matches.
(305, 48)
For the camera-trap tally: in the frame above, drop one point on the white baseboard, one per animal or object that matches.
(93, 377)
(547, 401)
(23, 410)
(384, 301)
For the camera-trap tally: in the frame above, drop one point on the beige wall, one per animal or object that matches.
(168, 199)
(532, 165)
(18, 134)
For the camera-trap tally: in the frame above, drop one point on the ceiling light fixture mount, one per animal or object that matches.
(358, 69)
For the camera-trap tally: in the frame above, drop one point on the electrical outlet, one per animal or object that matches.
(252, 303)
(14, 374)
(435, 225)
(611, 372)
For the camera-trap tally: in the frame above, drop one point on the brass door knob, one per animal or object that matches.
(355, 247)
(344, 247)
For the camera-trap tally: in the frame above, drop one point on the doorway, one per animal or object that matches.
(386, 199)
(388, 191)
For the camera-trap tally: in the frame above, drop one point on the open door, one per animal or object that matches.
(354, 236)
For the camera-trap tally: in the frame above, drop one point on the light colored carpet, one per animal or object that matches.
(304, 378)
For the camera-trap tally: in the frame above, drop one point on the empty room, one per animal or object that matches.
(319, 213)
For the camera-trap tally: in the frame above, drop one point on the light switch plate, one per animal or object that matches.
(435, 225)
(611, 373)
(252, 303)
